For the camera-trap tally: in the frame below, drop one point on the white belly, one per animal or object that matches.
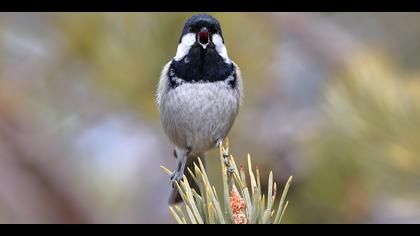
(197, 115)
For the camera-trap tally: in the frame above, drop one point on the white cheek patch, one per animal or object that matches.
(184, 47)
(220, 47)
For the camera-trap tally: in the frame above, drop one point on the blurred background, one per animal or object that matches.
(331, 98)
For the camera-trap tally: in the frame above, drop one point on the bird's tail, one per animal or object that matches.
(175, 197)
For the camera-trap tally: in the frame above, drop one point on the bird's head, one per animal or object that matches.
(203, 27)
(201, 31)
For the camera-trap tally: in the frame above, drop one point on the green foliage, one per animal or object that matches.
(376, 108)
(239, 204)
(367, 149)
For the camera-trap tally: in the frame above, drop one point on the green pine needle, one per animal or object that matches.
(239, 205)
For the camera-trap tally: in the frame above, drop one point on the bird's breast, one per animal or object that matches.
(197, 113)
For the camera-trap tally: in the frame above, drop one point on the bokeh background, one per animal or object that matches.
(331, 98)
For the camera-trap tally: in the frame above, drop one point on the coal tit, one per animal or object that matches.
(199, 94)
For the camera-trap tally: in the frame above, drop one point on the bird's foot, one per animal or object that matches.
(230, 169)
(175, 177)
(225, 160)
(225, 156)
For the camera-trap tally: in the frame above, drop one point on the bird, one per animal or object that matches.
(198, 95)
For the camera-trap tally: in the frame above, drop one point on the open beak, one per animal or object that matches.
(203, 37)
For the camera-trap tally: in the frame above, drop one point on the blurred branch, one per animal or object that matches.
(31, 190)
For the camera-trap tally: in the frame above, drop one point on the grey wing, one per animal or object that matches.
(162, 86)
(239, 87)
(167, 116)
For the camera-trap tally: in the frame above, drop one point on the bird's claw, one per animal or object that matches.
(225, 156)
(225, 160)
(230, 169)
(175, 177)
